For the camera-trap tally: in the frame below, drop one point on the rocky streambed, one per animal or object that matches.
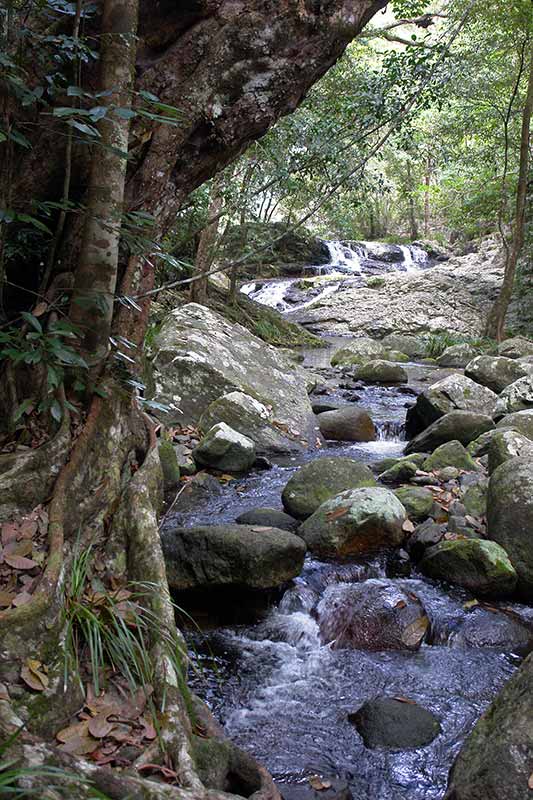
(360, 606)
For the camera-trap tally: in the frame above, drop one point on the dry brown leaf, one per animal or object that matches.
(99, 726)
(400, 604)
(408, 700)
(28, 528)
(22, 548)
(33, 675)
(261, 528)
(149, 731)
(339, 512)
(19, 562)
(415, 632)
(21, 599)
(408, 526)
(6, 598)
(4, 694)
(76, 729)
(530, 781)
(318, 784)
(9, 532)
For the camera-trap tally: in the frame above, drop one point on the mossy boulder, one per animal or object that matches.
(387, 463)
(520, 421)
(355, 522)
(396, 355)
(394, 724)
(358, 351)
(413, 346)
(450, 454)
(402, 471)
(225, 449)
(480, 566)
(506, 444)
(518, 396)
(417, 501)
(269, 518)
(453, 393)
(380, 371)
(516, 347)
(348, 424)
(320, 480)
(169, 464)
(496, 372)
(465, 426)
(475, 499)
(457, 355)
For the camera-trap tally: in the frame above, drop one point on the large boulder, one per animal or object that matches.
(358, 351)
(515, 397)
(453, 393)
(496, 372)
(231, 555)
(380, 371)
(450, 454)
(413, 346)
(510, 516)
(224, 449)
(269, 518)
(395, 724)
(355, 522)
(507, 444)
(457, 355)
(417, 501)
(371, 615)
(465, 426)
(499, 629)
(516, 347)
(198, 356)
(348, 424)
(520, 421)
(320, 480)
(253, 419)
(477, 565)
(495, 761)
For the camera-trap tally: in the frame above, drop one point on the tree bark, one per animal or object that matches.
(413, 223)
(496, 320)
(207, 245)
(96, 273)
(427, 201)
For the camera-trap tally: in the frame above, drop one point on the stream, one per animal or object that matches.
(282, 694)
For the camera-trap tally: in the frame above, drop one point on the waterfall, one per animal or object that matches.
(345, 258)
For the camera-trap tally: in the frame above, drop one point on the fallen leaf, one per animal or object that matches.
(530, 781)
(408, 526)
(408, 700)
(470, 604)
(9, 532)
(99, 726)
(19, 562)
(400, 604)
(149, 731)
(33, 675)
(4, 694)
(318, 784)
(6, 598)
(415, 632)
(339, 512)
(261, 529)
(14, 548)
(21, 599)
(28, 528)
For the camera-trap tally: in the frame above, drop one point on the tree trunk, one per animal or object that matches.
(496, 321)
(96, 274)
(413, 223)
(207, 245)
(427, 200)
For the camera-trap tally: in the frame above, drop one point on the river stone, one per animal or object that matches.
(379, 371)
(198, 356)
(386, 463)
(320, 480)
(396, 355)
(457, 355)
(231, 555)
(480, 566)
(450, 454)
(348, 424)
(465, 426)
(507, 444)
(510, 516)
(371, 615)
(358, 351)
(497, 629)
(322, 406)
(331, 788)
(475, 499)
(425, 535)
(516, 347)
(400, 472)
(520, 421)
(185, 460)
(224, 449)
(395, 724)
(411, 345)
(252, 419)
(453, 393)
(480, 446)
(417, 501)
(269, 518)
(355, 522)
(496, 372)
(515, 397)
(169, 464)
(495, 761)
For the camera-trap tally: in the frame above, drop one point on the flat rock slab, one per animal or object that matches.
(396, 724)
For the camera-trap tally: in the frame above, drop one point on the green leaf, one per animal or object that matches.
(18, 138)
(31, 320)
(56, 411)
(23, 408)
(81, 126)
(70, 357)
(124, 113)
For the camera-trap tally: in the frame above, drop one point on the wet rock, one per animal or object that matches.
(465, 426)
(396, 355)
(515, 397)
(358, 351)
(268, 517)
(254, 420)
(355, 522)
(387, 463)
(321, 407)
(197, 491)
(395, 724)
(224, 449)
(199, 356)
(495, 761)
(399, 473)
(417, 501)
(328, 788)
(453, 393)
(231, 555)
(450, 454)
(411, 345)
(457, 355)
(446, 474)
(380, 371)
(320, 480)
(507, 444)
(185, 459)
(516, 347)
(426, 535)
(480, 446)
(480, 566)
(348, 424)
(520, 420)
(510, 516)
(496, 372)
(475, 499)
(496, 629)
(169, 464)
(372, 615)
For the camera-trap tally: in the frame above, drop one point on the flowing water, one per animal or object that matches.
(284, 695)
